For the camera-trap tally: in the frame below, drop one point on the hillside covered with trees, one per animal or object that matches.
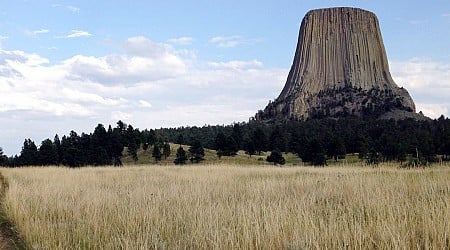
(314, 141)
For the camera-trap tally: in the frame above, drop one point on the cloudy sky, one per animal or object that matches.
(69, 65)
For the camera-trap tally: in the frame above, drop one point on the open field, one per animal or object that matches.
(145, 158)
(227, 207)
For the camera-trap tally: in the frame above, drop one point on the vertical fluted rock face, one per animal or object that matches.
(340, 68)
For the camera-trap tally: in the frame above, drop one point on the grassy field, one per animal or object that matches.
(228, 207)
(145, 157)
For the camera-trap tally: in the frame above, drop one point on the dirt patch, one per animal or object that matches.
(9, 237)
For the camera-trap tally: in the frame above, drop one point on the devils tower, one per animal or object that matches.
(340, 68)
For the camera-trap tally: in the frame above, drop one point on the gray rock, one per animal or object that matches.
(340, 68)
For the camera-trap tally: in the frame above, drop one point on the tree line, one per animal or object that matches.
(315, 141)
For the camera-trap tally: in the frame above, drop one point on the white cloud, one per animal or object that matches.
(70, 8)
(427, 81)
(35, 33)
(231, 41)
(145, 104)
(181, 40)
(76, 34)
(119, 115)
(236, 65)
(144, 61)
(150, 85)
(41, 31)
(73, 9)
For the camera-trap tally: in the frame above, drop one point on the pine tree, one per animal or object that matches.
(166, 150)
(225, 145)
(249, 147)
(156, 154)
(181, 157)
(259, 139)
(115, 145)
(48, 154)
(57, 145)
(196, 152)
(132, 150)
(3, 158)
(29, 154)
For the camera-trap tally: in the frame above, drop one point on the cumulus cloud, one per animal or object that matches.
(231, 41)
(148, 85)
(427, 81)
(181, 40)
(143, 61)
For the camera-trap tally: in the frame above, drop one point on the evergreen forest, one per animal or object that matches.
(315, 141)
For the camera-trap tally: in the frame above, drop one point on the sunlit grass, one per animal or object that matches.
(230, 206)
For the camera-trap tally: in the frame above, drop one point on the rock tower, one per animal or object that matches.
(340, 68)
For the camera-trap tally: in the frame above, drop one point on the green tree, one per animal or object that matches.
(313, 151)
(100, 146)
(115, 145)
(249, 147)
(48, 154)
(72, 153)
(277, 139)
(156, 154)
(196, 152)
(57, 145)
(166, 150)
(336, 148)
(237, 134)
(181, 157)
(3, 158)
(225, 145)
(259, 139)
(148, 137)
(29, 154)
(180, 139)
(132, 150)
(276, 158)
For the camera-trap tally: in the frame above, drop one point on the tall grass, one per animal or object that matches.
(227, 207)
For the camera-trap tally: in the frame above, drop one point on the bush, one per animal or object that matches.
(276, 157)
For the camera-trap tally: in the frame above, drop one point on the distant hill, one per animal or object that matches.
(145, 157)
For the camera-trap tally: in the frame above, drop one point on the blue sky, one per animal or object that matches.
(69, 65)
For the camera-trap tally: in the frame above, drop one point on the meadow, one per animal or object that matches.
(230, 207)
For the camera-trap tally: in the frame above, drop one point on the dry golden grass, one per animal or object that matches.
(228, 207)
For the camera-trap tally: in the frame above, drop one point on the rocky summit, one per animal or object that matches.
(340, 68)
